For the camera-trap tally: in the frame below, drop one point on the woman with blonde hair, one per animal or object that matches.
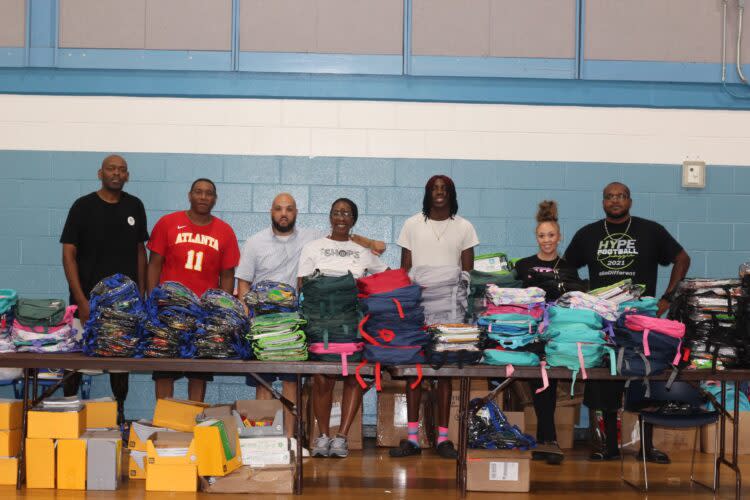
(547, 270)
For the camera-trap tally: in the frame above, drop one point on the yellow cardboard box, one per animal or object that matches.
(101, 414)
(139, 433)
(56, 424)
(171, 477)
(40, 463)
(157, 446)
(71, 464)
(210, 443)
(10, 443)
(177, 414)
(8, 471)
(11, 414)
(137, 465)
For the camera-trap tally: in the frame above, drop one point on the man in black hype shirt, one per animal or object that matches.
(617, 247)
(104, 235)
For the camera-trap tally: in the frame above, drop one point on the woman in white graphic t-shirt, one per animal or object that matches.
(336, 255)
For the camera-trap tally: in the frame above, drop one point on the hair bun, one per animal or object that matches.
(547, 211)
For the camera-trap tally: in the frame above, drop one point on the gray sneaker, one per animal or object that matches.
(339, 447)
(321, 446)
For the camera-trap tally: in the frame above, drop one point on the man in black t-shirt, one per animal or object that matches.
(617, 247)
(622, 246)
(104, 235)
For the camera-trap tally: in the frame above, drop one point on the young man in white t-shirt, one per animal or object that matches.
(435, 237)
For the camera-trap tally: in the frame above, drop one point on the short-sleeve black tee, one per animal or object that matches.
(534, 271)
(106, 237)
(617, 252)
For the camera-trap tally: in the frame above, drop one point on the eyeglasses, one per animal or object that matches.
(616, 197)
(199, 192)
(342, 213)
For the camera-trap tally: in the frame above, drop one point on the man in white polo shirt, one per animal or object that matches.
(273, 254)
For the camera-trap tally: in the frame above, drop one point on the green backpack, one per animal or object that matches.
(40, 312)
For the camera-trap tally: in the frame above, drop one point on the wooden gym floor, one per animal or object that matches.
(373, 474)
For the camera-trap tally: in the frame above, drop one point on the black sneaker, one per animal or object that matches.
(446, 450)
(655, 456)
(550, 452)
(405, 448)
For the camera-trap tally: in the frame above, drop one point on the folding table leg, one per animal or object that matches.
(22, 457)
(299, 426)
(463, 431)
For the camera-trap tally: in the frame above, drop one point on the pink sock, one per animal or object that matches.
(414, 432)
(442, 434)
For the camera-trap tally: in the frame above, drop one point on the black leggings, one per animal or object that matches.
(544, 407)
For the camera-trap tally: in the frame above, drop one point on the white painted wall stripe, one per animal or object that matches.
(373, 129)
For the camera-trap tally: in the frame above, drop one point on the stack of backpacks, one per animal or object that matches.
(44, 326)
(220, 330)
(276, 327)
(392, 327)
(647, 346)
(712, 311)
(454, 344)
(478, 282)
(117, 313)
(576, 340)
(8, 299)
(278, 337)
(445, 292)
(330, 307)
(173, 314)
(512, 322)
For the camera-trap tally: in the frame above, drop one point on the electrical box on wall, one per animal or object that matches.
(694, 174)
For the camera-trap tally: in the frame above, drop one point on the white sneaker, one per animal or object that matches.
(339, 447)
(321, 446)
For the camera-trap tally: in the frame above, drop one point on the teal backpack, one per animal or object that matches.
(8, 299)
(577, 356)
(505, 357)
(587, 317)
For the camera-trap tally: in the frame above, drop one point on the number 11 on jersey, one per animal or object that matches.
(194, 261)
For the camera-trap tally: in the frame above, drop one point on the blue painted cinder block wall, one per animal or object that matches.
(499, 197)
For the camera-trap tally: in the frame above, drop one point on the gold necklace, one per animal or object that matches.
(606, 229)
(442, 233)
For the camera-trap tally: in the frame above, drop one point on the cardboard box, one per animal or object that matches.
(271, 479)
(40, 463)
(137, 464)
(216, 411)
(269, 444)
(392, 423)
(71, 464)
(171, 448)
(101, 414)
(267, 458)
(665, 439)
(104, 452)
(217, 445)
(56, 424)
(11, 414)
(8, 471)
(261, 409)
(708, 433)
(498, 470)
(10, 443)
(355, 430)
(566, 418)
(139, 433)
(171, 477)
(177, 414)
